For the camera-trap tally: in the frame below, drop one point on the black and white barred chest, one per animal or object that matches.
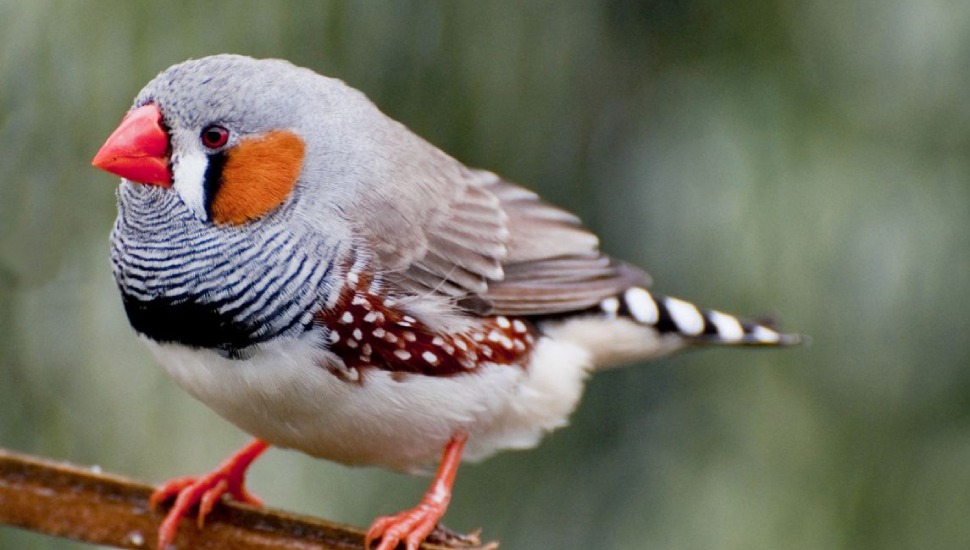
(186, 281)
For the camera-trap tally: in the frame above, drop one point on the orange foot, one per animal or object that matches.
(205, 491)
(413, 526)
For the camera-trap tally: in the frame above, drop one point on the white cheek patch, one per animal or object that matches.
(189, 164)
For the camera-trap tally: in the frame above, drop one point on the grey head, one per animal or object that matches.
(181, 268)
(250, 98)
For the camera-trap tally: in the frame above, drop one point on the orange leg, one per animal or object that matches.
(413, 526)
(205, 491)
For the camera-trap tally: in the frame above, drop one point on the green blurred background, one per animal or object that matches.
(807, 159)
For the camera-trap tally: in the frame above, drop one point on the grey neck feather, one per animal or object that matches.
(261, 282)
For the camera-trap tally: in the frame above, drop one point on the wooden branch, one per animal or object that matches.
(67, 501)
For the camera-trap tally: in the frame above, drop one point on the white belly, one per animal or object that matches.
(285, 395)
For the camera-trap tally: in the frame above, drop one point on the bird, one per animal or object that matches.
(328, 281)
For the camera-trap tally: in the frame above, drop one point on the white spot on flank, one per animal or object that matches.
(642, 306)
(519, 326)
(352, 344)
(685, 316)
(460, 344)
(334, 337)
(353, 278)
(389, 337)
(506, 342)
(347, 318)
(409, 319)
(727, 326)
(487, 351)
(379, 332)
(366, 351)
(358, 334)
(358, 300)
(401, 354)
(478, 337)
(503, 321)
(430, 357)
(494, 336)
(370, 317)
(438, 341)
(409, 336)
(765, 335)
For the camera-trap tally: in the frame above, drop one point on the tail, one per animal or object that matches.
(637, 325)
(668, 315)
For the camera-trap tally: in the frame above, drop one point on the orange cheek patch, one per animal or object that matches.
(258, 176)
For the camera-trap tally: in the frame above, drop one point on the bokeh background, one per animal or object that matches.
(808, 159)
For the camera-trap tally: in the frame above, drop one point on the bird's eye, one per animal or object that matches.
(214, 137)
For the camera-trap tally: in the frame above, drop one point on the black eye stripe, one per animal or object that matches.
(212, 181)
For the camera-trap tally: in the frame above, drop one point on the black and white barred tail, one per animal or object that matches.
(673, 316)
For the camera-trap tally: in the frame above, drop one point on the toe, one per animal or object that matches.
(411, 528)
(168, 491)
(208, 501)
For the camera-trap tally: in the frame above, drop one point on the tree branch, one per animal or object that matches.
(67, 501)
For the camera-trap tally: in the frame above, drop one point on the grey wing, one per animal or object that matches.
(489, 245)
(554, 265)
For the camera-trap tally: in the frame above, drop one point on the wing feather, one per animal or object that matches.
(487, 244)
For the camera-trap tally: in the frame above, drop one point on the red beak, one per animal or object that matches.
(138, 149)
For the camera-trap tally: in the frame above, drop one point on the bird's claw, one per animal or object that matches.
(411, 527)
(204, 491)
